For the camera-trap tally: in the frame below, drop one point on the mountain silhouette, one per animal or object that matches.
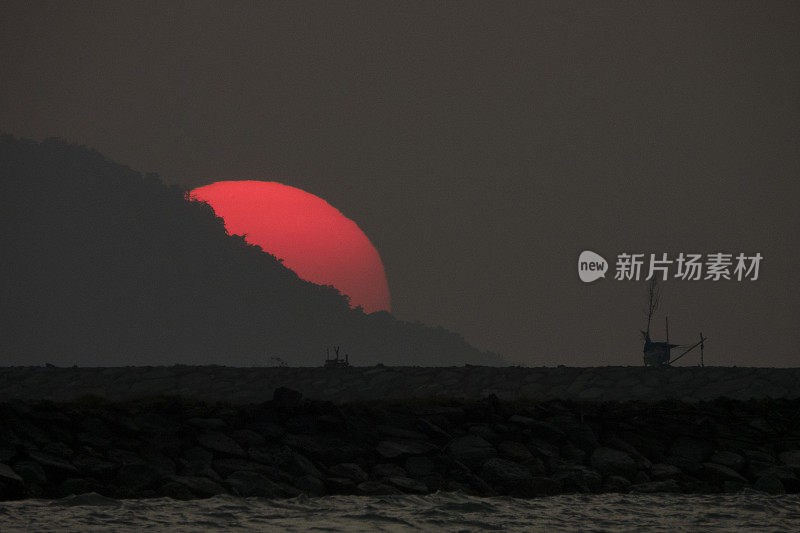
(104, 266)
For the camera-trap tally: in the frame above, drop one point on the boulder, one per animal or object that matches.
(220, 443)
(515, 451)
(668, 485)
(539, 429)
(471, 449)
(174, 490)
(52, 464)
(7, 475)
(729, 459)
(611, 462)
(376, 488)
(199, 486)
(692, 449)
(661, 471)
(285, 398)
(433, 431)
(406, 484)
(31, 472)
(94, 466)
(248, 438)
(340, 485)
(349, 471)
(770, 484)
(505, 473)
(720, 473)
(790, 458)
(400, 433)
(209, 424)
(419, 466)
(385, 470)
(311, 485)
(136, 477)
(616, 484)
(393, 449)
(577, 432)
(576, 478)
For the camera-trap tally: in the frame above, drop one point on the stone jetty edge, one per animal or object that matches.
(291, 445)
(242, 385)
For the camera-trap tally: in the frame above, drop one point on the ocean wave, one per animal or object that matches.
(453, 511)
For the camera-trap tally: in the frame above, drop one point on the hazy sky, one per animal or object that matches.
(481, 146)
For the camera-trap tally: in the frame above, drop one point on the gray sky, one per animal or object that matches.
(481, 146)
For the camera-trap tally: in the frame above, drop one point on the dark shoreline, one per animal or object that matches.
(184, 448)
(244, 385)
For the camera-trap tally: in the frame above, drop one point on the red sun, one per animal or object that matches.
(312, 237)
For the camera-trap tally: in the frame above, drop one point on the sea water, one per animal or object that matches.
(744, 511)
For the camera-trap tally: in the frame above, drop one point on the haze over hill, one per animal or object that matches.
(103, 266)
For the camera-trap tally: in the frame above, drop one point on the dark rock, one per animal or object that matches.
(433, 431)
(31, 472)
(228, 465)
(392, 449)
(286, 398)
(720, 473)
(349, 471)
(406, 484)
(770, 484)
(53, 464)
(611, 462)
(200, 486)
(576, 478)
(308, 444)
(135, 477)
(419, 467)
(790, 458)
(434, 481)
(621, 445)
(543, 450)
(669, 485)
(577, 432)
(248, 438)
(485, 432)
(544, 486)
(661, 471)
(470, 449)
(123, 457)
(8, 475)
(340, 485)
(376, 488)
(400, 433)
(694, 450)
(220, 443)
(641, 477)
(197, 454)
(684, 464)
(248, 484)
(505, 473)
(209, 424)
(155, 423)
(540, 429)
(616, 484)
(76, 485)
(174, 490)
(386, 470)
(572, 454)
(757, 456)
(301, 465)
(94, 466)
(729, 459)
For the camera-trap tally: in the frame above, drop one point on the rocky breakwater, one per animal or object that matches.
(291, 445)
